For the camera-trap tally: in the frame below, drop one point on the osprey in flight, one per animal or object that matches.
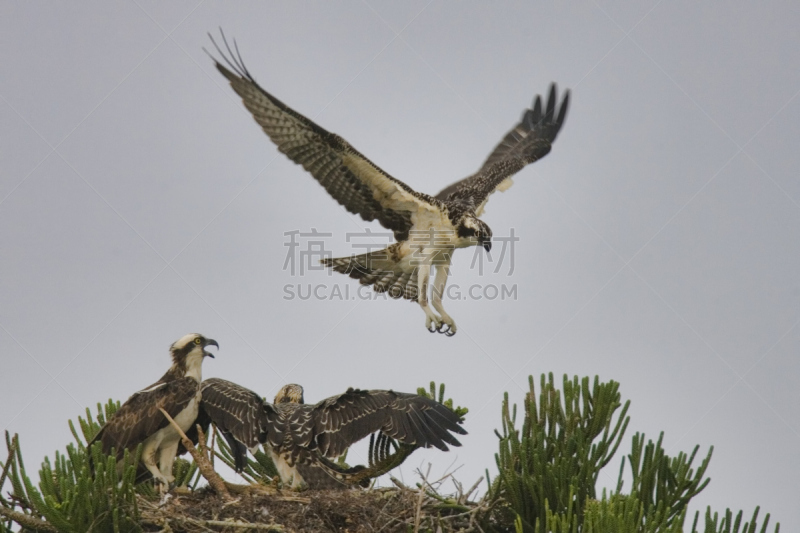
(427, 228)
(297, 434)
(139, 420)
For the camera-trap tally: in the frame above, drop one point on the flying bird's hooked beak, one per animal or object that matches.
(487, 245)
(210, 342)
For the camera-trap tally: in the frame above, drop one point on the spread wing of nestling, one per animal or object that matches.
(404, 268)
(302, 433)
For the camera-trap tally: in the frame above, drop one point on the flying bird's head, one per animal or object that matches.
(291, 393)
(474, 229)
(190, 348)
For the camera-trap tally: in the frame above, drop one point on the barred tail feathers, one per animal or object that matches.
(337, 475)
(379, 270)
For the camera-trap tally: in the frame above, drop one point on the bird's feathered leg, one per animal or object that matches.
(149, 460)
(287, 471)
(432, 321)
(439, 282)
(167, 460)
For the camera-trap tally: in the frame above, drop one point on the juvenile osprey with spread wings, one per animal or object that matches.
(317, 474)
(140, 421)
(326, 475)
(427, 228)
(296, 434)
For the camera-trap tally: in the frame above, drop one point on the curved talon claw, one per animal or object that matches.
(432, 329)
(449, 332)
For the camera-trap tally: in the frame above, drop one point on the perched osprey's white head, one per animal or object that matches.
(190, 347)
(291, 393)
(472, 227)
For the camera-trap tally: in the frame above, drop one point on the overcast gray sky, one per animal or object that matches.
(659, 242)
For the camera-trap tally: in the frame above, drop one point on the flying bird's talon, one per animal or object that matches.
(450, 333)
(432, 322)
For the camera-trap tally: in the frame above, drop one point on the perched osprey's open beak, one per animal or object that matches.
(210, 342)
(487, 245)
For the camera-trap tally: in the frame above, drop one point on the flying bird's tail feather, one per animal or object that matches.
(379, 270)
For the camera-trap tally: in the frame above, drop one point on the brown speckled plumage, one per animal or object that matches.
(301, 433)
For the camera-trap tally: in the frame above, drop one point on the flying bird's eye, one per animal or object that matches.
(198, 340)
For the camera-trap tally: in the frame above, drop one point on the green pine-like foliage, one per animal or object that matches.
(548, 466)
(548, 469)
(259, 468)
(75, 494)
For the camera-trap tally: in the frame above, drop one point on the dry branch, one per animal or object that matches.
(226, 525)
(27, 521)
(203, 464)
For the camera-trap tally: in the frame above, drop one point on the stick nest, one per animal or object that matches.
(394, 509)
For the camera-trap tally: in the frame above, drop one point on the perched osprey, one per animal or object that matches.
(299, 434)
(427, 228)
(139, 420)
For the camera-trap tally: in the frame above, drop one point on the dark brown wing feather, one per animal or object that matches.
(334, 424)
(349, 177)
(329, 427)
(235, 410)
(527, 142)
(139, 417)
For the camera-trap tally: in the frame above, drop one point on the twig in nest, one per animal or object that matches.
(252, 488)
(421, 497)
(226, 525)
(238, 524)
(398, 483)
(203, 464)
(471, 490)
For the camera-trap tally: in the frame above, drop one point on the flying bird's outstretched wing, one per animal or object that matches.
(438, 225)
(139, 417)
(527, 142)
(350, 178)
